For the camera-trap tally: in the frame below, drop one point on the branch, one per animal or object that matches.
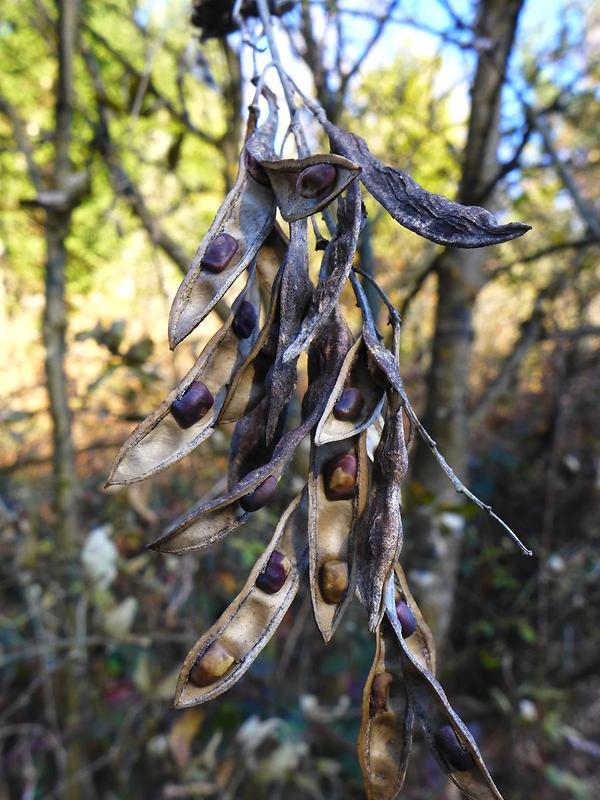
(346, 77)
(22, 142)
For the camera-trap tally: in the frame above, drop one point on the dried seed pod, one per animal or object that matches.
(247, 625)
(430, 215)
(451, 750)
(274, 575)
(249, 448)
(245, 219)
(270, 258)
(386, 728)
(337, 263)
(421, 643)
(432, 709)
(178, 425)
(355, 401)
(294, 294)
(331, 529)
(305, 186)
(248, 384)
(379, 530)
(199, 527)
(260, 496)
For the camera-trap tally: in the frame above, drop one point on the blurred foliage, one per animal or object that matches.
(524, 655)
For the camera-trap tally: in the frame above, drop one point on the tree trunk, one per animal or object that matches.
(435, 541)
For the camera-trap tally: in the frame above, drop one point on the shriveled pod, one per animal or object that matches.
(199, 527)
(448, 738)
(379, 530)
(337, 263)
(249, 382)
(338, 484)
(356, 400)
(270, 257)
(294, 295)
(387, 720)
(305, 186)
(188, 415)
(420, 643)
(430, 215)
(242, 224)
(228, 648)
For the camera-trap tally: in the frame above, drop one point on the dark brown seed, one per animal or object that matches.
(406, 618)
(219, 253)
(314, 181)
(380, 692)
(333, 581)
(193, 405)
(212, 665)
(274, 575)
(244, 321)
(260, 496)
(349, 405)
(340, 477)
(451, 749)
(256, 170)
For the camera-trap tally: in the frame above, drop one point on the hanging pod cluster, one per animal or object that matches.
(344, 529)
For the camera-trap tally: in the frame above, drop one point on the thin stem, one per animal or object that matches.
(394, 314)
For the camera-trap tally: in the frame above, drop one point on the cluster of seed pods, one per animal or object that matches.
(344, 529)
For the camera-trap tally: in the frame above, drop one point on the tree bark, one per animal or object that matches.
(435, 542)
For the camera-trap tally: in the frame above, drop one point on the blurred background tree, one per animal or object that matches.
(119, 132)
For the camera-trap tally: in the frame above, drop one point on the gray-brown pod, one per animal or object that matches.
(379, 530)
(199, 527)
(336, 266)
(337, 491)
(434, 712)
(162, 438)
(387, 720)
(430, 215)
(363, 406)
(421, 644)
(241, 226)
(224, 653)
(305, 186)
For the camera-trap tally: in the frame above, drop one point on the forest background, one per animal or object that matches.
(119, 134)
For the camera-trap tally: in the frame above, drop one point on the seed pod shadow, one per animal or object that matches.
(354, 373)
(434, 712)
(379, 532)
(245, 219)
(307, 185)
(161, 439)
(387, 720)
(332, 514)
(429, 215)
(248, 624)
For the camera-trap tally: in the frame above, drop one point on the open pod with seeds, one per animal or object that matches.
(346, 528)
(188, 415)
(355, 402)
(241, 226)
(337, 489)
(229, 647)
(448, 738)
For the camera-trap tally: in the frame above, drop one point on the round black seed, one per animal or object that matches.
(256, 170)
(349, 405)
(193, 405)
(451, 749)
(219, 252)
(407, 619)
(260, 496)
(340, 477)
(244, 321)
(314, 181)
